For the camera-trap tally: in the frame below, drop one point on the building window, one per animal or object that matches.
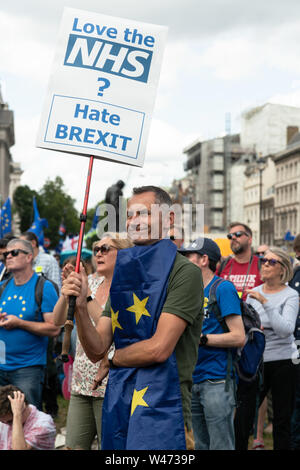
(218, 181)
(217, 219)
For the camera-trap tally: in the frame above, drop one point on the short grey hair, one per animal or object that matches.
(285, 260)
(26, 244)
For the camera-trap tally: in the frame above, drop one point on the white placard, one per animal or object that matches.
(102, 87)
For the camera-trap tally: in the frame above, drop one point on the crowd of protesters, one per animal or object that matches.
(218, 409)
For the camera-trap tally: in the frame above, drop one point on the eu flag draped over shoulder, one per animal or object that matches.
(5, 218)
(142, 409)
(38, 224)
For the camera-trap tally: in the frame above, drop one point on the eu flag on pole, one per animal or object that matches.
(142, 408)
(38, 224)
(5, 218)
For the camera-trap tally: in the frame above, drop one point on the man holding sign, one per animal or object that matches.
(155, 327)
(99, 104)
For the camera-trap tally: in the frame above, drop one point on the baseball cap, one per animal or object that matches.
(203, 246)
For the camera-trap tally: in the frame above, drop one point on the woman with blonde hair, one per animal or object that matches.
(85, 407)
(277, 305)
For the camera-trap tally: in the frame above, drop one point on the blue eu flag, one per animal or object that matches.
(142, 408)
(38, 224)
(5, 219)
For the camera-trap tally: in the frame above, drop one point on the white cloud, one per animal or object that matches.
(21, 52)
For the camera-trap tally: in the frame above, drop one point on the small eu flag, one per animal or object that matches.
(5, 218)
(38, 224)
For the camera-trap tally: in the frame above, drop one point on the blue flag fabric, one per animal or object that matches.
(38, 224)
(142, 409)
(5, 218)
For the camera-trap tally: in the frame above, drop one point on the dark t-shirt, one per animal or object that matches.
(185, 300)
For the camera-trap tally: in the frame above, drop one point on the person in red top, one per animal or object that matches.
(242, 269)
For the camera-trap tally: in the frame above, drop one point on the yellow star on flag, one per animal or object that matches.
(137, 399)
(139, 308)
(114, 320)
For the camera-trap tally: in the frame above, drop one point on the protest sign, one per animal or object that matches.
(102, 88)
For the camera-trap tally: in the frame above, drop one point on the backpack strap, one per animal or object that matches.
(38, 293)
(213, 304)
(39, 289)
(214, 307)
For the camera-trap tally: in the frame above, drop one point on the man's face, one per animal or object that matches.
(145, 221)
(20, 261)
(240, 241)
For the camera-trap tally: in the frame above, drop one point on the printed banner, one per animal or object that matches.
(102, 87)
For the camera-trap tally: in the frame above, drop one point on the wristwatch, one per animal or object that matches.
(203, 340)
(110, 357)
(89, 298)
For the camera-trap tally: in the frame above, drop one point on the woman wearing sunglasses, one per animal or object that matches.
(277, 305)
(85, 407)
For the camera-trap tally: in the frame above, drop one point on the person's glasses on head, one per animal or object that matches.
(103, 249)
(271, 261)
(14, 252)
(237, 234)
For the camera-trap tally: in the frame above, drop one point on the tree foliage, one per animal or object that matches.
(56, 206)
(22, 204)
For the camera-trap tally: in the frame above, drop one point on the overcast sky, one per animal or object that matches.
(222, 56)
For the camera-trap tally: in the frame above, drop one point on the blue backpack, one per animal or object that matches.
(248, 361)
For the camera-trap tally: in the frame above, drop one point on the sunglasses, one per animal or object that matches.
(272, 261)
(14, 252)
(236, 234)
(104, 249)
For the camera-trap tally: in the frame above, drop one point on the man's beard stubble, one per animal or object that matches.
(238, 249)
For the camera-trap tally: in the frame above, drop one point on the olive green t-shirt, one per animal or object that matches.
(184, 299)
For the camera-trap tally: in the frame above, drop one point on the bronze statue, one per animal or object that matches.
(112, 196)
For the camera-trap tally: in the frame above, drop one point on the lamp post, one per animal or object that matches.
(261, 165)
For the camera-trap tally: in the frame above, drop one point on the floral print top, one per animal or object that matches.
(85, 370)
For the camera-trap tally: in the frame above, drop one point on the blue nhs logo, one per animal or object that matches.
(107, 56)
